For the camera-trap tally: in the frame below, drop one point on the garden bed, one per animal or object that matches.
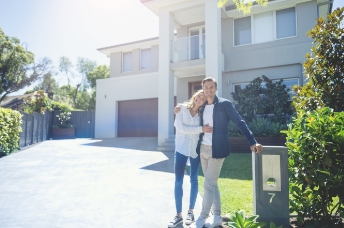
(240, 145)
(63, 133)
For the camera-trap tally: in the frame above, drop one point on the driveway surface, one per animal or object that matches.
(122, 182)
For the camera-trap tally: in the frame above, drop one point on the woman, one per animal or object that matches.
(188, 127)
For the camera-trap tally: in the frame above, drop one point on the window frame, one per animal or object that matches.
(131, 62)
(274, 19)
(150, 67)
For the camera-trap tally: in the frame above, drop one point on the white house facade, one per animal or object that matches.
(148, 77)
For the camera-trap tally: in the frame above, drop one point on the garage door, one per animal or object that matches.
(138, 118)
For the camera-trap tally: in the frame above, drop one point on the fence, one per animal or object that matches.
(36, 128)
(83, 121)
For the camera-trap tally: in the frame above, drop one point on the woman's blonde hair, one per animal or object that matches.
(190, 103)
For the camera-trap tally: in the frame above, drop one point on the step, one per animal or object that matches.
(168, 144)
(165, 149)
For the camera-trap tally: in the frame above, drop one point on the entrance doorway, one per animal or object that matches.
(194, 87)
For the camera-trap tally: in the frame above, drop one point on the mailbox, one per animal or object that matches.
(271, 185)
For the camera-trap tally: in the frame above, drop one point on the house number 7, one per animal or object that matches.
(272, 196)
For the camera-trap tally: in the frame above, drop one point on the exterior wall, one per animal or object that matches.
(112, 90)
(269, 54)
(278, 72)
(116, 62)
(183, 87)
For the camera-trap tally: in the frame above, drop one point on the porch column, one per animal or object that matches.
(166, 77)
(213, 48)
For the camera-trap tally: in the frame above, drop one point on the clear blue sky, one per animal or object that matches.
(73, 28)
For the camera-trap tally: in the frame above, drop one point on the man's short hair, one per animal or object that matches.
(209, 79)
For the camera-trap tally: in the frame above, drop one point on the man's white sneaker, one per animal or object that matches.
(216, 221)
(199, 223)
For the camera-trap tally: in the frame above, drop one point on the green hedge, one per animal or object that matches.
(10, 128)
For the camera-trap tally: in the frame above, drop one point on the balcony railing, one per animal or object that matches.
(188, 48)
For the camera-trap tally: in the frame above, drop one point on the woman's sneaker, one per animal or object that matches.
(190, 218)
(176, 220)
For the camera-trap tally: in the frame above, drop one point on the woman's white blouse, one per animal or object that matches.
(187, 132)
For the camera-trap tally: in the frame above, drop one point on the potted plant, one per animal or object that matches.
(64, 130)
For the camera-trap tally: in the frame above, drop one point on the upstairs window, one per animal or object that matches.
(146, 58)
(242, 31)
(265, 27)
(127, 62)
(285, 23)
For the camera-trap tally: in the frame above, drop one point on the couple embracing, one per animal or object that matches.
(202, 137)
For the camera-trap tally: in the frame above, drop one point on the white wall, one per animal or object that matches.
(116, 89)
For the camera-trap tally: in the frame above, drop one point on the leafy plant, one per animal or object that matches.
(233, 130)
(259, 126)
(239, 220)
(272, 225)
(324, 65)
(315, 142)
(274, 129)
(269, 101)
(64, 118)
(10, 128)
(39, 102)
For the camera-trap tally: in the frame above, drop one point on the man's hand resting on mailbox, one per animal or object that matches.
(256, 148)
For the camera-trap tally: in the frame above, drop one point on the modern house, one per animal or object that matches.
(198, 40)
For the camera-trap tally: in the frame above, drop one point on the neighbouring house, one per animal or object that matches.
(148, 77)
(15, 102)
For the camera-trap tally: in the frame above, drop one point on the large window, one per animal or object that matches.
(285, 23)
(265, 27)
(127, 62)
(289, 82)
(146, 58)
(242, 31)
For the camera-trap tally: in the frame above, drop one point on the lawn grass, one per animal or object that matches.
(235, 183)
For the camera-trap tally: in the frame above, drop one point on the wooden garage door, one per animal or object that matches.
(138, 118)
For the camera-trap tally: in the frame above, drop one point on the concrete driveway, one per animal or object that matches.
(121, 182)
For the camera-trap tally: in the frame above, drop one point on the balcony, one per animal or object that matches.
(188, 48)
(188, 56)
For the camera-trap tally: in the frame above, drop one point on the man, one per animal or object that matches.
(214, 148)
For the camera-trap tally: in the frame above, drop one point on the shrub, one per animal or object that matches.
(64, 119)
(233, 130)
(10, 128)
(269, 101)
(274, 129)
(63, 107)
(315, 142)
(38, 103)
(259, 126)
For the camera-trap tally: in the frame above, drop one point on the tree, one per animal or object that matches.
(48, 84)
(65, 67)
(84, 67)
(100, 72)
(315, 138)
(243, 5)
(17, 67)
(325, 65)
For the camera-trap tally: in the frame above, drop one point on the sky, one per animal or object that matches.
(77, 28)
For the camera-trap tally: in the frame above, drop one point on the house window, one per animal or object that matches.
(127, 62)
(242, 31)
(146, 58)
(265, 27)
(289, 82)
(285, 23)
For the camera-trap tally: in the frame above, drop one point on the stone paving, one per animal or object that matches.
(122, 182)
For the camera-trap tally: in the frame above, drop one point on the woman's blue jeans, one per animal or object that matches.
(179, 169)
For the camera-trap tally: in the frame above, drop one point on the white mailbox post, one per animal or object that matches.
(271, 185)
